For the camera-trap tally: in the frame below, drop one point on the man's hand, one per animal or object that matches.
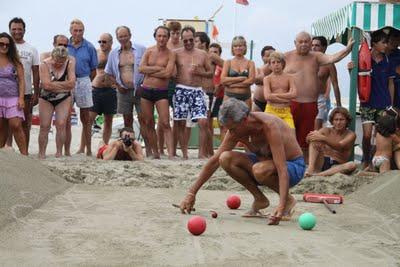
(21, 103)
(350, 44)
(276, 216)
(35, 99)
(122, 90)
(315, 136)
(187, 204)
(350, 65)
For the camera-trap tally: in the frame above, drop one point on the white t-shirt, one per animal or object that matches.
(29, 57)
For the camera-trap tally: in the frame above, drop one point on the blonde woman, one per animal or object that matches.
(238, 74)
(57, 74)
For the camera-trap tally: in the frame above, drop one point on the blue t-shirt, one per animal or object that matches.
(85, 56)
(380, 96)
(394, 59)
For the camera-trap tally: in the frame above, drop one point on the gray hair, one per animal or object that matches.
(123, 27)
(59, 52)
(233, 109)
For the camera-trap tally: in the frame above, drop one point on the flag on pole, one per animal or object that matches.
(242, 2)
(215, 32)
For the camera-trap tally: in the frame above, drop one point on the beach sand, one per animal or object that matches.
(120, 213)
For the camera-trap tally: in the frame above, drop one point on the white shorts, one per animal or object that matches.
(323, 108)
(82, 93)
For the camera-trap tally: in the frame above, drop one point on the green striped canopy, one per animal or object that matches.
(367, 16)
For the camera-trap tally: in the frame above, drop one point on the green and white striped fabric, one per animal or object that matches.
(367, 16)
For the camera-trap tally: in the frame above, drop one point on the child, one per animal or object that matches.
(279, 89)
(386, 139)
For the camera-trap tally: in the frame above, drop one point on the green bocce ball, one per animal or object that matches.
(307, 221)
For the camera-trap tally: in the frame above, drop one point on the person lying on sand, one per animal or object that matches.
(125, 148)
(331, 147)
(386, 141)
(275, 158)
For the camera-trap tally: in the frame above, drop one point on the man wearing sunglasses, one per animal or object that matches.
(125, 148)
(193, 65)
(104, 95)
(30, 60)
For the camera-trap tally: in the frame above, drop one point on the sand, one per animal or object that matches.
(119, 213)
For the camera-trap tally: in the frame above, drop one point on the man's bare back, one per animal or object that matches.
(186, 62)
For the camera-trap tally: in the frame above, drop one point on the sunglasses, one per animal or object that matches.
(5, 45)
(102, 42)
(65, 45)
(391, 111)
(188, 41)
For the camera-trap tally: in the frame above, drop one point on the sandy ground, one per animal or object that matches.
(120, 213)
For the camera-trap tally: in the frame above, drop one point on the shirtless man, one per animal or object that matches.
(123, 69)
(263, 71)
(174, 41)
(279, 89)
(326, 74)
(157, 65)
(202, 41)
(275, 159)
(331, 147)
(104, 95)
(189, 101)
(304, 64)
(125, 148)
(61, 40)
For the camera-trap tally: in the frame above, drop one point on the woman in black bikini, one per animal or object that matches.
(238, 74)
(57, 74)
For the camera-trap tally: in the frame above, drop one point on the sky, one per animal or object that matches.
(272, 22)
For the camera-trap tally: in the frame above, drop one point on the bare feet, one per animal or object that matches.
(58, 155)
(67, 153)
(80, 151)
(257, 205)
(309, 173)
(89, 153)
(41, 156)
(289, 209)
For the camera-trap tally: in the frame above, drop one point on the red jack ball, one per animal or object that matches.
(233, 202)
(196, 225)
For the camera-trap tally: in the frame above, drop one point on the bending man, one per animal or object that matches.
(275, 159)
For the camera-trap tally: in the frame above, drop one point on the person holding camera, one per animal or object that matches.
(125, 148)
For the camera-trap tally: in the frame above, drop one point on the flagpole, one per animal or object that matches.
(234, 18)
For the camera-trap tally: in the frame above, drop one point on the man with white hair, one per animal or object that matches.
(274, 158)
(86, 63)
(304, 64)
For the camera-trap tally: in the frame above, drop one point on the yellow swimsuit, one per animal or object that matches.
(282, 112)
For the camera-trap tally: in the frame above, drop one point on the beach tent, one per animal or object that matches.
(353, 20)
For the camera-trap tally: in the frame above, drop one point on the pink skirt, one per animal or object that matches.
(9, 108)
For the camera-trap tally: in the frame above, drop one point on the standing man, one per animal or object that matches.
(123, 69)
(326, 74)
(174, 41)
(157, 65)
(202, 42)
(85, 70)
(30, 60)
(259, 102)
(304, 64)
(193, 65)
(104, 95)
(393, 52)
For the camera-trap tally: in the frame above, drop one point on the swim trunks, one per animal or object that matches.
(377, 161)
(154, 94)
(104, 101)
(304, 117)
(328, 163)
(283, 113)
(261, 105)
(189, 102)
(101, 151)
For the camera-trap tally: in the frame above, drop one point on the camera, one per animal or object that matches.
(127, 140)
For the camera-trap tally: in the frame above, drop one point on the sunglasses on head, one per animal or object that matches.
(102, 42)
(5, 45)
(188, 41)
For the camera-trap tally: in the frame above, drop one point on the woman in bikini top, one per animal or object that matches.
(238, 74)
(57, 74)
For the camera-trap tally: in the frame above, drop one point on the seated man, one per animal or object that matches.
(386, 141)
(125, 148)
(331, 147)
(275, 159)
